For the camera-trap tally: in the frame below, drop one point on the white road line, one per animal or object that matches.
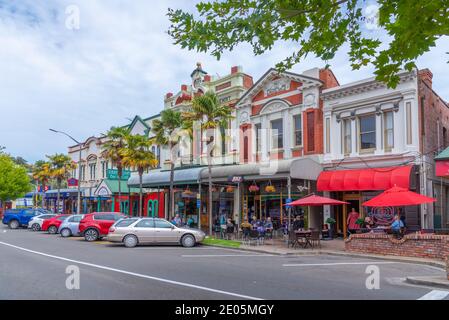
(435, 295)
(224, 255)
(133, 273)
(335, 264)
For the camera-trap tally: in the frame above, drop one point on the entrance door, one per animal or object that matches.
(354, 202)
(124, 207)
(153, 208)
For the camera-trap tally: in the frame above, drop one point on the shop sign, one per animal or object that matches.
(198, 203)
(72, 182)
(287, 201)
(442, 168)
(112, 174)
(39, 189)
(235, 179)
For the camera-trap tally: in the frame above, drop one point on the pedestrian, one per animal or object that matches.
(229, 229)
(177, 220)
(351, 222)
(190, 222)
(298, 223)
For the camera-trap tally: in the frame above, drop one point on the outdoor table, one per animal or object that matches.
(304, 234)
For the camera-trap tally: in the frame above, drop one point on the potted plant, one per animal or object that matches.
(331, 222)
(270, 188)
(253, 188)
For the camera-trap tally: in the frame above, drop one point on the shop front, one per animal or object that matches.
(67, 200)
(357, 186)
(441, 191)
(186, 193)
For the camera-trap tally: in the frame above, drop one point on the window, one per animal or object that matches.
(388, 131)
(62, 218)
(104, 217)
(408, 116)
(75, 219)
(258, 128)
(310, 131)
(145, 223)
(367, 127)
(347, 142)
(298, 131)
(93, 169)
(162, 224)
(277, 134)
(126, 222)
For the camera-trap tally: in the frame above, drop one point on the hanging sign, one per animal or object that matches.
(112, 174)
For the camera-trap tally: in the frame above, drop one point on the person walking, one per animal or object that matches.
(351, 221)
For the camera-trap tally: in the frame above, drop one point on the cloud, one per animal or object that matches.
(119, 63)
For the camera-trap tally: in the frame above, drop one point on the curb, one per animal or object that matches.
(432, 263)
(431, 282)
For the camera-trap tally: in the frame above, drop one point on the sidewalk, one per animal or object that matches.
(331, 247)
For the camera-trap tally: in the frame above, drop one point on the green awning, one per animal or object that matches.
(443, 155)
(113, 186)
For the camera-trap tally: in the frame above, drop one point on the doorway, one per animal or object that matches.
(354, 200)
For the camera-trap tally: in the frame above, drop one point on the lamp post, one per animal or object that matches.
(78, 207)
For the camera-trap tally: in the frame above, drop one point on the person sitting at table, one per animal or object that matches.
(269, 224)
(254, 222)
(397, 227)
(298, 223)
(246, 227)
(369, 223)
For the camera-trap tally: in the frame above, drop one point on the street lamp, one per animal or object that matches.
(78, 207)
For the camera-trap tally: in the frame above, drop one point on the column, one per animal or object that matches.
(288, 133)
(354, 137)
(265, 136)
(379, 133)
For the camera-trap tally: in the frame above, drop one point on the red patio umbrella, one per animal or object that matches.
(398, 197)
(314, 200)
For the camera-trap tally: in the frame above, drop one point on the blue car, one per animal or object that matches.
(16, 218)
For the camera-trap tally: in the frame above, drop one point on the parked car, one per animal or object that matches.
(52, 225)
(35, 223)
(134, 231)
(16, 218)
(70, 226)
(95, 226)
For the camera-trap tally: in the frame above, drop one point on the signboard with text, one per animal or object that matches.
(112, 174)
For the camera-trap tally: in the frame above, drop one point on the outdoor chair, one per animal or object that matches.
(254, 236)
(315, 239)
(292, 239)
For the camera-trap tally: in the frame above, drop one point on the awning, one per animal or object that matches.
(306, 168)
(364, 179)
(398, 197)
(162, 178)
(442, 168)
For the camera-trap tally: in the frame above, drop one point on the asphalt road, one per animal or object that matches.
(33, 265)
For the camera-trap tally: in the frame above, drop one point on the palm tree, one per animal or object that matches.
(42, 174)
(137, 155)
(166, 134)
(112, 149)
(211, 114)
(60, 167)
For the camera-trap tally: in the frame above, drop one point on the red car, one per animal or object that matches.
(52, 225)
(96, 225)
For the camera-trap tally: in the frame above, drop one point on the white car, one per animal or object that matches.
(35, 223)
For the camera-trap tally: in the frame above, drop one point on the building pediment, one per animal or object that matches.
(274, 82)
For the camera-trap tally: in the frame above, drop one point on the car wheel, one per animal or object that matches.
(188, 241)
(52, 230)
(91, 235)
(65, 233)
(130, 241)
(13, 224)
(35, 227)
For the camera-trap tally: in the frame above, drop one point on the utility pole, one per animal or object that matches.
(78, 206)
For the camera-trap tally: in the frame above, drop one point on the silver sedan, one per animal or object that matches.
(134, 231)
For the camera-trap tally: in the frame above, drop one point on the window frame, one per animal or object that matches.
(295, 131)
(386, 130)
(276, 136)
(359, 127)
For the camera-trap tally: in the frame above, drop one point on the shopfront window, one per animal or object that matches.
(277, 134)
(258, 128)
(367, 129)
(388, 131)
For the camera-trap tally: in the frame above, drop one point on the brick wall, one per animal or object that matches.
(412, 245)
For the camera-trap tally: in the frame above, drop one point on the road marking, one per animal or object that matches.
(224, 255)
(182, 284)
(335, 264)
(435, 295)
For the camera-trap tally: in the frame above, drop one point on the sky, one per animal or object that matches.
(117, 61)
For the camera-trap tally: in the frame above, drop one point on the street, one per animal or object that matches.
(33, 266)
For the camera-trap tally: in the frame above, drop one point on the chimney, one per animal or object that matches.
(168, 95)
(207, 78)
(183, 87)
(235, 69)
(426, 76)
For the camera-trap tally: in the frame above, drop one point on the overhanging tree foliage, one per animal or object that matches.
(318, 27)
(14, 180)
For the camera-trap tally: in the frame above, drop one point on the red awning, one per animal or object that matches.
(364, 179)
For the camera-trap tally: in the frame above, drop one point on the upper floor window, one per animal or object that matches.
(93, 169)
(367, 132)
(298, 130)
(388, 131)
(277, 134)
(258, 128)
(347, 141)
